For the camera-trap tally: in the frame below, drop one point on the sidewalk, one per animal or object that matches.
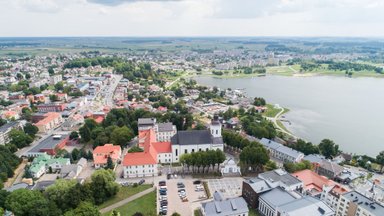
(125, 201)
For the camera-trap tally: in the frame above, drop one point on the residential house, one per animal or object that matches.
(53, 107)
(101, 154)
(44, 162)
(72, 171)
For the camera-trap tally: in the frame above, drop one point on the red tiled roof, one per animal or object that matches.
(138, 158)
(48, 118)
(107, 148)
(162, 147)
(313, 180)
(99, 119)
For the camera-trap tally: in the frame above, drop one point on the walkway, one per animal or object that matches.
(276, 118)
(127, 200)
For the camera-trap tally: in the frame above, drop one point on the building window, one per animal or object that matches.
(193, 150)
(176, 153)
(186, 151)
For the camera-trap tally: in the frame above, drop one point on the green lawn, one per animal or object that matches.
(253, 212)
(124, 193)
(145, 204)
(271, 111)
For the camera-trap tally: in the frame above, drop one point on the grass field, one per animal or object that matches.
(145, 204)
(124, 193)
(271, 111)
(253, 212)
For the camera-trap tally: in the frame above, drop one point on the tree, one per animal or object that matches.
(26, 113)
(84, 209)
(20, 138)
(270, 165)
(27, 76)
(30, 129)
(254, 157)
(51, 71)
(121, 136)
(25, 202)
(59, 86)
(3, 197)
(75, 154)
(176, 214)
(259, 101)
(328, 148)
(103, 185)
(85, 133)
(115, 213)
(53, 97)
(58, 193)
(74, 135)
(110, 163)
(380, 160)
(135, 149)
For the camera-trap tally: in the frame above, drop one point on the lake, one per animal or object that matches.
(346, 110)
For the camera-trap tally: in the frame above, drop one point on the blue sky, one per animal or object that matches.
(361, 18)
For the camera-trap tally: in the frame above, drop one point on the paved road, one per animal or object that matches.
(127, 200)
(276, 118)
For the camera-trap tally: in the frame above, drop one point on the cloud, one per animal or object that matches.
(119, 2)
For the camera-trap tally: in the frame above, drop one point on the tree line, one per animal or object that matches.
(65, 197)
(203, 159)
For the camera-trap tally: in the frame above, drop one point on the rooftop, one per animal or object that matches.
(49, 143)
(163, 127)
(277, 197)
(146, 121)
(194, 137)
(138, 158)
(220, 207)
(313, 180)
(279, 176)
(364, 202)
(258, 185)
(306, 206)
(280, 148)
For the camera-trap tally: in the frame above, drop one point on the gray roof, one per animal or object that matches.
(163, 127)
(258, 185)
(14, 187)
(331, 166)
(277, 197)
(232, 206)
(314, 158)
(42, 185)
(48, 143)
(146, 121)
(280, 148)
(364, 202)
(66, 169)
(281, 176)
(194, 137)
(8, 126)
(306, 206)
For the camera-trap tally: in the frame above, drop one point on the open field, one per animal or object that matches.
(124, 193)
(145, 204)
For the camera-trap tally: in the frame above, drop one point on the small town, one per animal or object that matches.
(108, 135)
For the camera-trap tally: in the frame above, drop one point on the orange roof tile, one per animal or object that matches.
(138, 158)
(313, 180)
(48, 118)
(162, 147)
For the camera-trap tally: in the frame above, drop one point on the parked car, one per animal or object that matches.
(169, 176)
(141, 181)
(180, 185)
(162, 183)
(197, 182)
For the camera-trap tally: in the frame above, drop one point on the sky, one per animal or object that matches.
(149, 18)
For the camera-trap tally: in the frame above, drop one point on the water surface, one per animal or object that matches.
(346, 110)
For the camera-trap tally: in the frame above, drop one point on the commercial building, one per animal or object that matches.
(49, 145)
(43, 162)
(53, 107)
(225, 207)
(356, 204)
(50, 121)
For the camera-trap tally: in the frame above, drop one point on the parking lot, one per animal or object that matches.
(175, 203)
(229, 187)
